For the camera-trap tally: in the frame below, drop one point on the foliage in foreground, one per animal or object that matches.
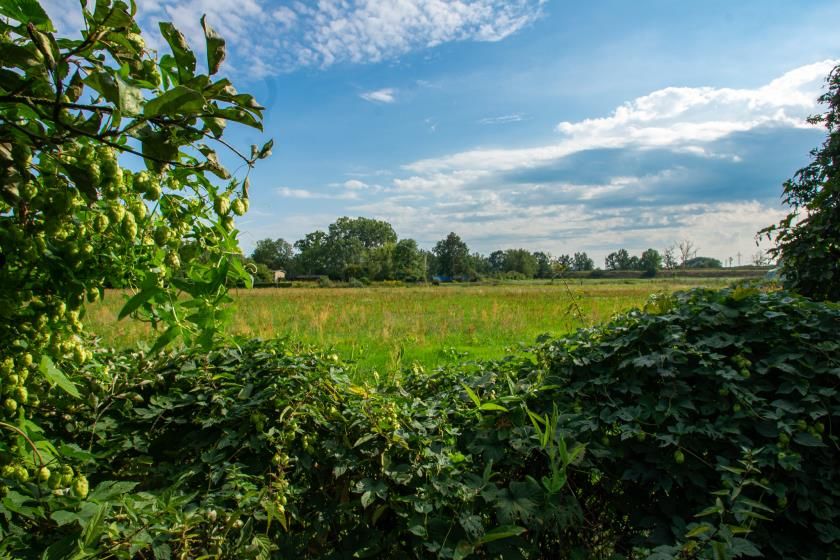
(704, 427)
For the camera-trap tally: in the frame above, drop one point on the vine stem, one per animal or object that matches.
(26, 437)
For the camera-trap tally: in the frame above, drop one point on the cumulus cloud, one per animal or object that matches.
(700, 163)
(671, 118)
(385, 95)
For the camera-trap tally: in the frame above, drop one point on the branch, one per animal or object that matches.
(53, 103)
(26, 437)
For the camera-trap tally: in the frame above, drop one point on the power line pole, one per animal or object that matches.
(739, 258)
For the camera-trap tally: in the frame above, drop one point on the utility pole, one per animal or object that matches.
(739, 258)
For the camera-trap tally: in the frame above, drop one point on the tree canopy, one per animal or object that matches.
(275, 254)
(808, 238)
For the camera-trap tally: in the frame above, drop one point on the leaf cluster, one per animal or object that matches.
(705, 426)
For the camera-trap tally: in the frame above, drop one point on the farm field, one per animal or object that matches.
(386, 328)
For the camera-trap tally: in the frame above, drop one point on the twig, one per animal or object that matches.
(26, 437)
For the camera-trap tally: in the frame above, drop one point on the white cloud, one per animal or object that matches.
(355, 184)
(286, 16)
(503, 119)
(385, 95)
(267, 39)
(370, 31)
(668, 118)
(303, 194)
(683, 188)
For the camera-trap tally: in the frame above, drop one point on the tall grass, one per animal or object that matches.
(385, 329)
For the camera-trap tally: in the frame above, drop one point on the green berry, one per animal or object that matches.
(679, 457)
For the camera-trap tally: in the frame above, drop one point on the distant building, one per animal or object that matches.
(279, 275)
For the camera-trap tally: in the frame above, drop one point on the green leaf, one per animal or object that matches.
(744, 547)
(501, 532)
(63, 517)
(137, 300)
(27, 11)
(103, 83)
(699, 530)
(265, 151)
(110, 489)
(56, 377)
(177, 101)
(164, 339)
(378, 513)
(368, 498)
(471, 394)
(807, 440)
(17, 56)
(492, 406)
(95, 526)
(116, 15)
(462, 550)
(184, 57)
(130, 98)
(238, 115)
(215, 47)
(162, 551)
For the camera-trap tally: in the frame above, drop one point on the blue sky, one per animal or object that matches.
(547, 125)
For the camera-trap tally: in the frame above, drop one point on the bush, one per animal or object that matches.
(732, 391)
(354, 283)
(609, 444)
(325, 282)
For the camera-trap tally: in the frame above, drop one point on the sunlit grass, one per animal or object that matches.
(385, 329)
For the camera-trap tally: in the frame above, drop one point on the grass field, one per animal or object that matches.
(387, 328)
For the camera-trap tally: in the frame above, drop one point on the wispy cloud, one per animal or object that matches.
(268, 39)
(385, 95)
(363, 31)
(303, 194)
(503, 119)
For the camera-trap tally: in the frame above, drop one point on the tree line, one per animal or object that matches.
(366, 248)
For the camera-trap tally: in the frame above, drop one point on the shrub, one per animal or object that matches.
(608, 445)
(734, 391)
(325, 282)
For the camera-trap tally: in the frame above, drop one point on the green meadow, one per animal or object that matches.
(387, 328)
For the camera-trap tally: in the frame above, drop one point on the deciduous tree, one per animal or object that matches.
(808, 238)
(452, 256)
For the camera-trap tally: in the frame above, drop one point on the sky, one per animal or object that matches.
(548, 125)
